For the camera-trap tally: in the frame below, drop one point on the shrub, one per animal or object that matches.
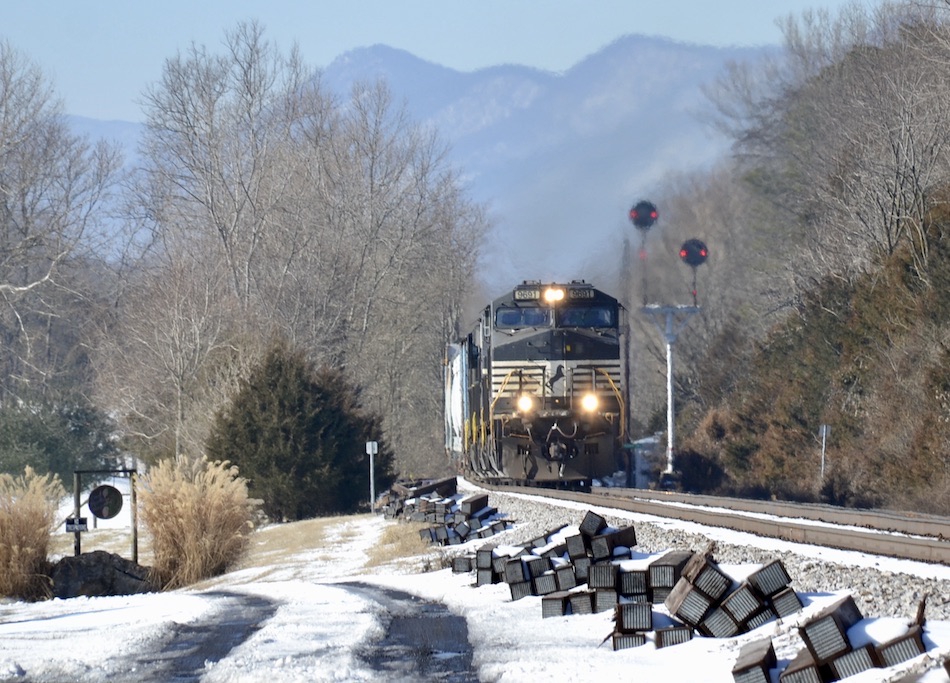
(700, 473)
(28, 506)
(198, 516)
(55, 435)
(299, 435)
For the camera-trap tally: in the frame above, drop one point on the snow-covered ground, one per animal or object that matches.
(317, 626)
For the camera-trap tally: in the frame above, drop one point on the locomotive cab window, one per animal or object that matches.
(514, 318)
(587, 316)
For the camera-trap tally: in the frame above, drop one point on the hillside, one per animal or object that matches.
(868, 359)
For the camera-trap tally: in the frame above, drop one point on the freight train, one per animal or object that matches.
(536, 392)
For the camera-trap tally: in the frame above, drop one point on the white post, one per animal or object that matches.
(670, 410)
(674, 320)
(824, 436)
(372, 447)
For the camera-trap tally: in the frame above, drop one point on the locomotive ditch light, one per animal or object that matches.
(590, 402)
(525, 403)
(553, 294)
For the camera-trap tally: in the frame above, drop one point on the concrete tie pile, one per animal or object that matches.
(595, 569)
(454, 519)
(829, 653)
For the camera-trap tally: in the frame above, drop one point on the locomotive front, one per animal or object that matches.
(541, 397)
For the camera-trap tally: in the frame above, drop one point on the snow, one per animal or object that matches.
(318, 626)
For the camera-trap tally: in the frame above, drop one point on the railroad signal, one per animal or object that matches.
(643, 215)
(105, 501)
(694, 253)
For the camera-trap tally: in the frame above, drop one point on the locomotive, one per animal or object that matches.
(536, 392)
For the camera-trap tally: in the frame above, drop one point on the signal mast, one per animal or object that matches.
(668, 319)
(643, 215)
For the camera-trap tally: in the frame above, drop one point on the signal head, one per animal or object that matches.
(694, 253)
(643, 215)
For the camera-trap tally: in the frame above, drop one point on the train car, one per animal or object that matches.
(535, 393)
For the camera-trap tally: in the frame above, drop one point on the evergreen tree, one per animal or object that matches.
(298, 436)
(55, 435)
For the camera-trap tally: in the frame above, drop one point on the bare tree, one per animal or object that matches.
(216, 197)
(401, 249)
(848, 131)
(53, 190)
(171, 342)
(216, 144)
(882, 153)
(339, 226)
(846, 137)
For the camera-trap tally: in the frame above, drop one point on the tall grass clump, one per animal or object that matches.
(28, 505)
(198, 516)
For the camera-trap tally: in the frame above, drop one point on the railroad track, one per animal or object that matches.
(905, 535)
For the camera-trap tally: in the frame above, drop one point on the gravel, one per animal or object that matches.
(878, 593)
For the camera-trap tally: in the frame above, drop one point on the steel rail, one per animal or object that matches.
(912, 523)
(782, 521)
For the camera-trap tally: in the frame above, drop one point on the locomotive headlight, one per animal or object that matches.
(590, 402)
(553, 294)
(526, 403)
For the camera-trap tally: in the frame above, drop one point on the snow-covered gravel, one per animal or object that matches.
(881, 587)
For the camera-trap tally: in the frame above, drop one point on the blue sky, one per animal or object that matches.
(101, 54)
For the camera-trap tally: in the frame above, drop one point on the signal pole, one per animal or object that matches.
(643, 215)
(625, 358)
(674, 319)
(670, 320)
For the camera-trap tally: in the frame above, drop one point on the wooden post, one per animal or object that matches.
(77, 484)
(133, 501)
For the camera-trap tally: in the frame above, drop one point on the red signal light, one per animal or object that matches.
(694, 253)
(644, 214)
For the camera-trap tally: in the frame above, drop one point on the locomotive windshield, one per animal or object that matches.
(514, 318)
(587, 316)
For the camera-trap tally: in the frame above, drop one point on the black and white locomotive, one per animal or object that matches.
(536, 392)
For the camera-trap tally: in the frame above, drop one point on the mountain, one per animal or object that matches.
(560, 157)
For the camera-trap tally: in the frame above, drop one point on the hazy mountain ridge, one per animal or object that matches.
(556, 155)
(552, 154)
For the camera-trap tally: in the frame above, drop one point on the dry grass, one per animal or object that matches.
(198, 517)
(398, 541)
(28, 506)
(281, 545)
(278, 544)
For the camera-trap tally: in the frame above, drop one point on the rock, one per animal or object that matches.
(98, 574)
